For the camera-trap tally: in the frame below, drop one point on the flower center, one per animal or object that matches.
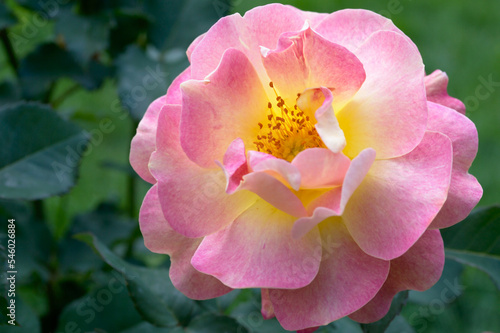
(287, 132)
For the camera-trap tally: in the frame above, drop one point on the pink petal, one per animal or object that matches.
(308, 330)
(347, 279)
(160, 237)
(282, 170)
(391, 101)
(333, 202)
(260, 26)
(193, 199)
(320, 168)
(352, 27)
(465, 191)
(258, 251)
(307, 60)
(327, 126)
(174, 94)
(436, 87)
(235, 165)
(274, 192)
(194, 45)
(400, 197)
(418, 269)
(144, 142)
(227, 105)
(267, 310)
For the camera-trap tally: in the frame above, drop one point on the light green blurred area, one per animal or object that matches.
(460, 37)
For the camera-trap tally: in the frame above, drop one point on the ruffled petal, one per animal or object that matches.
(267, 310)
(418, 269)
(234, 165)
(199, 204)
(274, 192)
(144, 141)
(465, 191)
(436, 87)
(257, 251)
(391, 101)
(321, 168)
(327, 124)
(174, 94)
(400, 197)
(227, 105)
(352, 27)
(282, 170)
(260, 26)
(334, 201)
(305, 60)
(347, 279)
(161, 238)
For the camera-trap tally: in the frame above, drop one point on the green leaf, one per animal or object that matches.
(84, 36)
(107, 224)
(7, 18)
(476, 241)
(154, 296)
(208, 323)
(141, 79)
(396, 306)
(9, 92)
(50, 62)
(177, 23)
(41, 152)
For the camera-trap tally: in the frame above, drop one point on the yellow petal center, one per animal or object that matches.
(287, 132)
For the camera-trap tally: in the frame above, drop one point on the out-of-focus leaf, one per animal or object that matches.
(9, 92)
(178, 22)
(146, 327)
(41, 152)
(476, 241)
(399, 325)
(107, 308)
(208, 323)
(129, 25)
(84, 36)
(106, 223)
(7, 18)
(142, 79)
(154, 296)
(26, 319)
(50, 62)
(47, 9)
(396, 306)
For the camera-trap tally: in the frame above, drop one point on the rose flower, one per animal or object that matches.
(308, 155)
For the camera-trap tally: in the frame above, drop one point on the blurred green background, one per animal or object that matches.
(84, 63)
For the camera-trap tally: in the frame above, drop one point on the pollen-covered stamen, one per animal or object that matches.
(288, 131)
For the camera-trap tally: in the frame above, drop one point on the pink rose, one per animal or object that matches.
(308, 155)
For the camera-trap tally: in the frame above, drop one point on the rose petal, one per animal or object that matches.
(352, 27)
(391, 101)
(333, 202)
(229, 104)
(328, 126)
(418, 269)
(174, 94)
(400, 197)
(260, 26)
(320, 168)
(282, 170)
(347, 279)
(144, 141)
(465, 191)
(274, 192)
(234, 165)
(267, 310)
(305, 60)
(254, 253)
(199, 204)
(160, 237)
(436, 87)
